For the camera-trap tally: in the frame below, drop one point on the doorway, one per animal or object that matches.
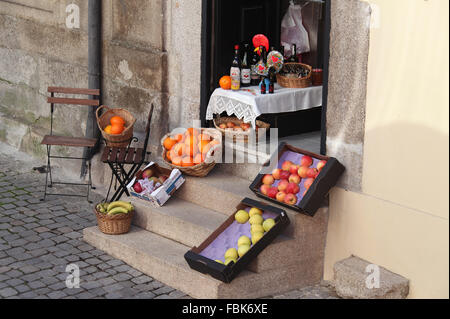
(226, 23)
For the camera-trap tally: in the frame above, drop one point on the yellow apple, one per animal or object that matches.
(256, 219)
(243, 250)
(231, 254)
(255, 211)
(242, 217)
(244, 240)
(257, 229)
(268, 224)
(256, 237)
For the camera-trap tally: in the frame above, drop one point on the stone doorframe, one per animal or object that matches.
(343, 122)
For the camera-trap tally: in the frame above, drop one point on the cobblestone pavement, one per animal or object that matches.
(38, 240)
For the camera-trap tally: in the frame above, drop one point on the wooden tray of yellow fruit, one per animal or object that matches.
(248, 232)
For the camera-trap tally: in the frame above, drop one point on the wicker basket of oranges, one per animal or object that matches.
(116, 126)
(192, 152)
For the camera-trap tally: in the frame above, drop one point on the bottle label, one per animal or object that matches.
(235, 74)
(245, 75)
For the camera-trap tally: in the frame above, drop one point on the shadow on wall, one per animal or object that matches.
(408, 163)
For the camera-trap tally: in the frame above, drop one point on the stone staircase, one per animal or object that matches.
(161, 236)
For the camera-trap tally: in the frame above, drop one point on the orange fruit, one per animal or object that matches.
(225, 82)
(177, 161)
(117, 129)
(191, 141)
(169, 143)
(187, 161)
(204, 137)
(204, 147)
(108, 129)
(117, 120)
(192, 132)
(178, 149)
(179, 138)
(199, 158)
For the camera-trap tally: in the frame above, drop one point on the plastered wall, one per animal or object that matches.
(395, 213)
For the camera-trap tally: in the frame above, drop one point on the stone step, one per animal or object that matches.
(190, 225)
(222, 192)
(163, 259)
(178, 220)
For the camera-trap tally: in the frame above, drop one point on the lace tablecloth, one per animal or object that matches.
(247, 104)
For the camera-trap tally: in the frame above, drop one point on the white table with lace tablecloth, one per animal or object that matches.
(248, 103)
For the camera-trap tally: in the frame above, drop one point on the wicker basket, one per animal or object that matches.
(120, 140)
(295, 83)
(114, 225)
(238, 135)
(202, 169)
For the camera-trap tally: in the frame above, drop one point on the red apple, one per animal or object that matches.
(286, 166)
(309, 182)
(268, 180)
(294, 169)
(313, 172)
(293, 188)
(284, 175)
(283, 185)
(321, 165)
(148, 173)
(294, 178)
(306, 161)
(290, 199)
(276, 174)
(303, 172)
(138, 188)
(281, 196)
(273, 191)
(264, 189)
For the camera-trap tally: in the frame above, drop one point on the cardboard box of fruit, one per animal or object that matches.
(244, 235)
(156, 184)
(300, 181)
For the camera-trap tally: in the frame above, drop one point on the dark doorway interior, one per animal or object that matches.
(230, 22)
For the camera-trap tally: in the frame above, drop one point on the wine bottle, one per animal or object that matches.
(245, 69)
(235, 71)
(293, 58)
(254, 75)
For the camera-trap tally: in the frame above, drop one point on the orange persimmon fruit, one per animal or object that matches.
(117, 120)
(117, 129)
(225, 82)
(169, 143)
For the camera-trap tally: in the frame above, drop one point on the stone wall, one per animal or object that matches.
(151, 54)
(346, 113)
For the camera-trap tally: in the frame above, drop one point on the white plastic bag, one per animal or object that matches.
(293, 31)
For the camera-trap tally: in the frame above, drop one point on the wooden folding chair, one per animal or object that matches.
(80, 142)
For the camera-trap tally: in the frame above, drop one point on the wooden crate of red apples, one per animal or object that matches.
(156, 184)
(301, 179)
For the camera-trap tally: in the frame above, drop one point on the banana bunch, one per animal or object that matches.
(115, 208)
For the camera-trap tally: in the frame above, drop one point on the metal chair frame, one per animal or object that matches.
(83, 142)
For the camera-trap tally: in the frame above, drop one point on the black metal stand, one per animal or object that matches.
(49, 177)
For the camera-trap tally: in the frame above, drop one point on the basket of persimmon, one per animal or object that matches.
(192, 152)
(238, 129)
(116, 126)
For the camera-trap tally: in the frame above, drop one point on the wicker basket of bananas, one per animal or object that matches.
(114, 218)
